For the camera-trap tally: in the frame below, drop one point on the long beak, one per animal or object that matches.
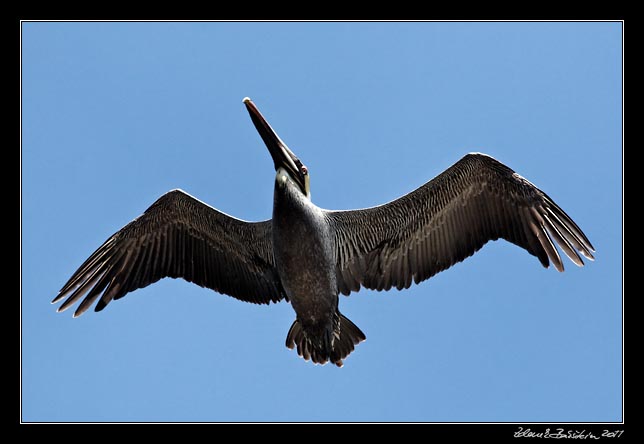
(281, 154)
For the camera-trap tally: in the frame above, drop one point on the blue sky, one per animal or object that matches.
(116, 114)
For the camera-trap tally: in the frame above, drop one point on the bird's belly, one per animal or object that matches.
(311, 296)
(307, 271)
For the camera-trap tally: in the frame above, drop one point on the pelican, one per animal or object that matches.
(307, 255)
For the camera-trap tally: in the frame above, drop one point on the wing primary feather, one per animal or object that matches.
(546, 242)
(572, 235)
(84, 269)
(133, 270)
(565, 231)
(88, 280)
(95, 275)
(572, 226)
(93, 293)
(533, 234)
(562, 241)
(117, 287)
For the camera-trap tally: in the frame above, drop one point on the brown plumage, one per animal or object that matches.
(308, 255)
(448, 219)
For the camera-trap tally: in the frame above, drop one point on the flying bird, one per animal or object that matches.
(307, 255)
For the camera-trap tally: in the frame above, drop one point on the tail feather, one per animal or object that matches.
(333, 345)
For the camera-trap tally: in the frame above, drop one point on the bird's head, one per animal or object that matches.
(287, 165)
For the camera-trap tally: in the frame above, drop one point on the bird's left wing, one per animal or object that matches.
(476, 200)
(179, 237)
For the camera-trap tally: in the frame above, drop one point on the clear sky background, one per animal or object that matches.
(116, 114)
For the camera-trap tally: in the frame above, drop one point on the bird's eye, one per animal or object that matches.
(305, 170)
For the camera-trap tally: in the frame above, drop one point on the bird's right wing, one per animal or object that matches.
(476, 200)
(179, 237)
